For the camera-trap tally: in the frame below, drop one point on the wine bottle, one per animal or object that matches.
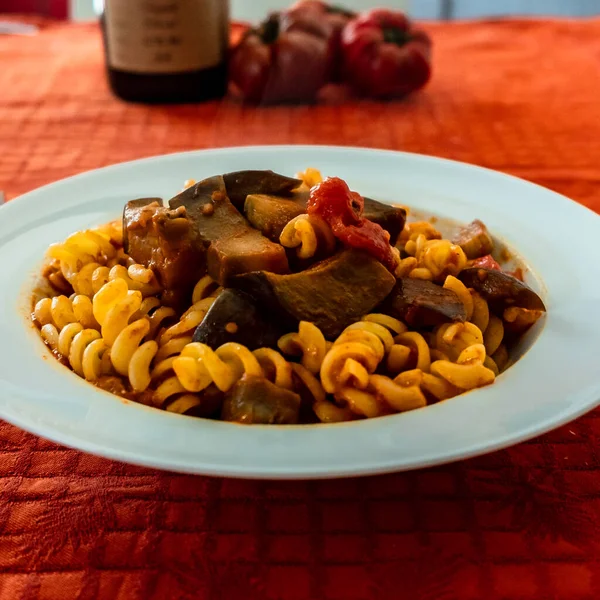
(166, 51)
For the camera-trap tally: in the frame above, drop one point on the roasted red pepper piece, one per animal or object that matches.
(288, 58)
(385, 56)
(342, 209)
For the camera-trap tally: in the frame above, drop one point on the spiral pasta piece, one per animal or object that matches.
(188, 322)
(438, 387)
(520, 319)
(199, 365)
(435, 258)
(152, 309)
(95, 360)
(418, 348)
(415, 229)
(83, 348)
(206, 287)
(442, 257)
(309, 382)
(90, 279)
(80, 249)
(362, 402)
(137, 277)
(453, 338)
(113, 307)
(60, 311)
(481, 312)
(172, 347)
(327, 412)
(493, 335)
(468, 372)
(405, 267)
(335, 372)
(308, 234)
(183, 404)
(461, 290)
(355, 355)
(394, 325)
(139, 367)
(113, 230)
(173, 339)
(310, 177)
(166, 390)
(126, 345)
(309, 343)
(275, 367)
(402, 393)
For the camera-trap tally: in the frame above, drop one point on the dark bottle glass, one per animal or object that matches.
(166, 51)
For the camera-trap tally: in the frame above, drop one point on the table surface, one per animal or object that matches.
(517, 96)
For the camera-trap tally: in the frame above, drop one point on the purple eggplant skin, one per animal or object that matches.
(332, 293)
(235, 317)
(500, 288)
(256, 401)
(241, 184)
(422, 303)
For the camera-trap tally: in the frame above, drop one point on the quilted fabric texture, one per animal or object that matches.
(521, 524)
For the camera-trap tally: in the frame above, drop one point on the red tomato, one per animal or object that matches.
(342, 209)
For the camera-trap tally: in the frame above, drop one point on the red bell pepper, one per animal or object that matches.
(385, 56)
(288, 58)
(342, 209)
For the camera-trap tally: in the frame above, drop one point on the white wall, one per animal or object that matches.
(247, 10)
(252, 10)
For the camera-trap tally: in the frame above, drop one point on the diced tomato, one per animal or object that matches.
(342, 209)
(487, 262)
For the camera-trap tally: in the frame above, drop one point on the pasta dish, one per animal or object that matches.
(257, 298)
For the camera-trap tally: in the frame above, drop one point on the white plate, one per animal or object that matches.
(555, 381)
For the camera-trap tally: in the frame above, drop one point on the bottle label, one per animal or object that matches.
(166, 36)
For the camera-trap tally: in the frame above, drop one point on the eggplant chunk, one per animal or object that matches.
(234, 317)
(161, 239)
(132, 212)
(210, 211)
(475, 240)
(423, 304)
(243, 183)
(255, 400)
(391, 218)
(498, 287)
(332, 294)
(243, 254)
(270, 214)
(233, 245)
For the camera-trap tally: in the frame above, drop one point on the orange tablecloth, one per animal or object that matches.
(521, 97)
